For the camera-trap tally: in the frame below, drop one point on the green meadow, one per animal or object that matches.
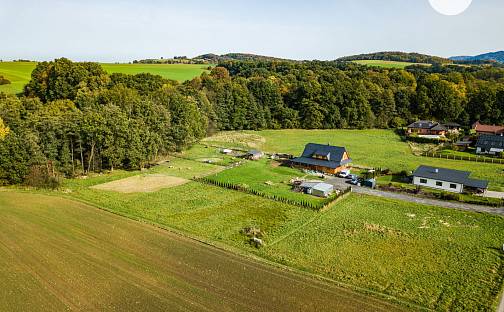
(417, 254)
(387, 64)
(19, 73)
(371, 148)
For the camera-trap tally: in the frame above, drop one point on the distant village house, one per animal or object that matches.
(427, 128)
(323, 158)
(482, 129)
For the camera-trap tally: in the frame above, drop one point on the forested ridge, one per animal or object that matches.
(74, 118)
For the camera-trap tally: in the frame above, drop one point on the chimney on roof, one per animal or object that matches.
(436, 170)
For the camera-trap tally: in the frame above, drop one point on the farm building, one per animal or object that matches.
(449, 180)
(317, 188)
(482, 129)
(490, 144)
(431, 128)
(323, 158)
(254, 155)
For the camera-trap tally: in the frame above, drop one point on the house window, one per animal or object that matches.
(423, 181)
(453, 186)
(439, 183)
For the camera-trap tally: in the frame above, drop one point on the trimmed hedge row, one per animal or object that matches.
(305, 204)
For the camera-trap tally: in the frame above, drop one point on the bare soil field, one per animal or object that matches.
(141, 184)
(60, 255)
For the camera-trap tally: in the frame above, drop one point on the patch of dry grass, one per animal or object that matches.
(141, 184)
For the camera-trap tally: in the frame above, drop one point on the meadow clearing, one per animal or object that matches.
(19, 73)
(388, 64)
(268, 177)
(424, 257)
(371, 148)
(60, 255)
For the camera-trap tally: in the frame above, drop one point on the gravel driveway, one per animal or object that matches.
(341, 183)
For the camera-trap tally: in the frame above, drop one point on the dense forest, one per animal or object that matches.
(398, 57)
(74, 118)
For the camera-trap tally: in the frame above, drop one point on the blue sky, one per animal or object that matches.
(123, 30)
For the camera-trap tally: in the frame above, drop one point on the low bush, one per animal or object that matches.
(4, 81)
(40, 176)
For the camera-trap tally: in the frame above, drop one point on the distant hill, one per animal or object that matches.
(397, 57)
(214, 58)
(493, 56)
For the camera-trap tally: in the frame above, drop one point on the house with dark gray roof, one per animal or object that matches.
(490, 144)
(448, 180)
(323, 158)
(432, 128)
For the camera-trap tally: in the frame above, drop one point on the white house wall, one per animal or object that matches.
(431, 183)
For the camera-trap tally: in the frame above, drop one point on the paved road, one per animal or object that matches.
(338, 182)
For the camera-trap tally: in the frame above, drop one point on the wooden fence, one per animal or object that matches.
(487, 160)
(302, 203)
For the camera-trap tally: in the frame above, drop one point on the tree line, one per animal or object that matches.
(74, 118)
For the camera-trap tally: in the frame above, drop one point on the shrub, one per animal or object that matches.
(4, 81)
(40, 176)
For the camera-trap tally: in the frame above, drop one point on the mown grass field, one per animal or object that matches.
(268, 177)
(179, 72)
(19, 73)
(387, 64)
(61, 255)
(436, 258)
(372, 148)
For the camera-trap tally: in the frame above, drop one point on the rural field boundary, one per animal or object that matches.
(487, 160)
(235, 252)
(305, 204)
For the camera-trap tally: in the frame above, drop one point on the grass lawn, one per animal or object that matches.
(373, 148)
(387, 64)
(210, 212)
(202, 153)
(19, 73)
(255, 174)
(442, 259)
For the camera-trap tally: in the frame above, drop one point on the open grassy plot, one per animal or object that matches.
(179, 72)
(438, 258)
(266, 176)
(387, 64)
(141, 183)
(373, 148)
(59, 255)
(203, 153)
(185, 168)
(19, 73)
(442, 259)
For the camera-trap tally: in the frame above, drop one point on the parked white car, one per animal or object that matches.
(344, 174)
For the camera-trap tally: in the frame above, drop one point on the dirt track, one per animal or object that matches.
(57, 255)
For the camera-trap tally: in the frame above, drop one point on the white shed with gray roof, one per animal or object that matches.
(316, 188)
